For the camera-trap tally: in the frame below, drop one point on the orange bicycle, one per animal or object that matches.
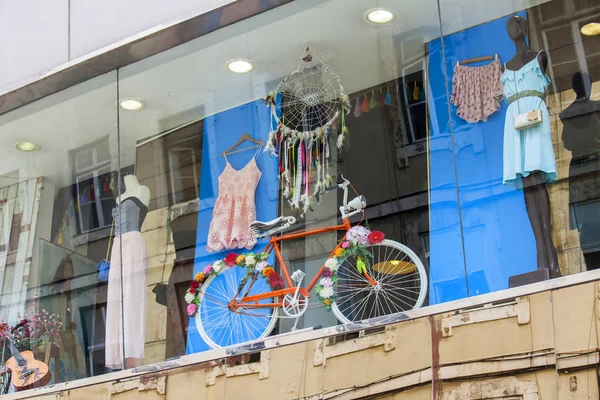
(236, 308)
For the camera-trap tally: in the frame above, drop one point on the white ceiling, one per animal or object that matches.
(191, 81)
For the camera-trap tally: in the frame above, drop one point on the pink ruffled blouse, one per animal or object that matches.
(477, 91)
(235, 209)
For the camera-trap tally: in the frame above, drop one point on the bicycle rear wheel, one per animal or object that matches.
(221, 327)
(401, 284)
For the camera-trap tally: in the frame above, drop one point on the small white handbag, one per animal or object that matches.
(528, 119)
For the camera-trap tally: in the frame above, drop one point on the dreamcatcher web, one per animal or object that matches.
(310, 98)
(309, 106)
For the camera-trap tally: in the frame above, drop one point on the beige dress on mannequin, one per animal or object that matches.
(126, 319)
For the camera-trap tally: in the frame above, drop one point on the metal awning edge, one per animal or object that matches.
(145, 44)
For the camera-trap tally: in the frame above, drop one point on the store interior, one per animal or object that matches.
(432, 181)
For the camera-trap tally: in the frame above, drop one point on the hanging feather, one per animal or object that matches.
(364, 107)
(343, 139)
(357, 110)
(106, 186)
(422, 97)
(84, 199)
(388, 98)
(416, 92)
(93, 193)
(373, 102)
(381, 99)
(60, 238)
(297, 192)
(346, 105)
(67, 220)
(270, 147)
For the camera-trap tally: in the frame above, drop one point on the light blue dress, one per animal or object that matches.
(527, 150)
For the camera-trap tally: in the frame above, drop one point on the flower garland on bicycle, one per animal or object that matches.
(357, 239)
(253, 263)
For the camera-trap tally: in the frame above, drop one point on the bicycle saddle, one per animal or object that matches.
(264, 229)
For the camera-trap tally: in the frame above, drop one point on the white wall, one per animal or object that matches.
(36, 35)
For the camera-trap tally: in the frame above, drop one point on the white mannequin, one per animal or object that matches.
(134, 189)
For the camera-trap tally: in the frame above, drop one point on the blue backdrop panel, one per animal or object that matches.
(221, 131)
(446, 260)
(498, 239)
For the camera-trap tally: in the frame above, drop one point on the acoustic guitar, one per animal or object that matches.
(27, 372)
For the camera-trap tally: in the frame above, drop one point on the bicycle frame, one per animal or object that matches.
(251, 302)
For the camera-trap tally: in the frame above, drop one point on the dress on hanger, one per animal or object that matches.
(235, 208)
(477, 91)
(527, 150)
(128, 251)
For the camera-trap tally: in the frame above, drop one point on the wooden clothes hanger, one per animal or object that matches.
(245, 137)
(477, 59)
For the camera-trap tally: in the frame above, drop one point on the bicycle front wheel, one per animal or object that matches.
(401, 284)
(221, 327)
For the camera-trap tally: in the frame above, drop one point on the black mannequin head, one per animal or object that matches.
(582, 85)
(517, 28)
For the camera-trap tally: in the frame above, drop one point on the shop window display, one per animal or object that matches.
(377, 170)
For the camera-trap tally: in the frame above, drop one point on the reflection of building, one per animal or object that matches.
(432, 182)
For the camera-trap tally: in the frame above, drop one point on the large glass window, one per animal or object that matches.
(325, 162)
(260, 122)
(59, 182)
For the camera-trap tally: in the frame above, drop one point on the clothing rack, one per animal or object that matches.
(477, 59)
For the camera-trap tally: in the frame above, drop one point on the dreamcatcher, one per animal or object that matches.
(308, 106)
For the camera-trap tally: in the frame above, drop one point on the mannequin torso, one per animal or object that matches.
(134, 189)
(132, 207)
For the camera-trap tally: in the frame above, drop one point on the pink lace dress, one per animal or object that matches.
(477, 91)
(235, 208)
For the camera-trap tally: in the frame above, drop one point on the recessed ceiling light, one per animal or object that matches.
(240, 66)
(380, 16)
(132, 105)
(27, 146)
(591, 29)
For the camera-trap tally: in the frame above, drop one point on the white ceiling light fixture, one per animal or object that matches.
(240, 66)
(27, 146)
(132, 105)
(591, 29)
(380, 16)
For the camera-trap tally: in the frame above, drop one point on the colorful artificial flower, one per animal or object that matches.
(250, 260)
(199, 277)
(375, 237)
(327, 273)
(230, 259)
(346, 244)
(193, 286)
(240, 259)
(332, 264)
(267, 271)
(275, 281)
(218, 266)
(191, 309)
(327, 302)
(326, 292)
(358, 235)
(338, 252)
(207, 270)
(326, 282)
(261, 266)
(189, 297)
